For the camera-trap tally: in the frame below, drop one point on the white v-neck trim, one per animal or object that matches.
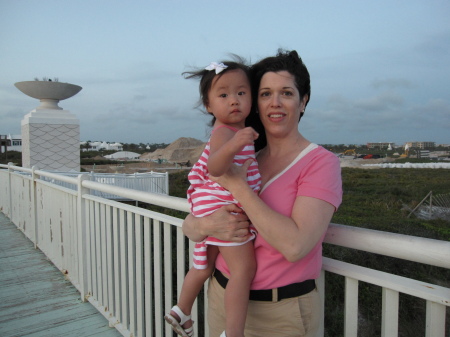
(305, 151)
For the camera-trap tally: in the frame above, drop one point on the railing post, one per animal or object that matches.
(136, 202)
(35, 222)
(389, 318)
(167, 183)
(435, 319)
(10, 170)
(82, 236)
(351, 307)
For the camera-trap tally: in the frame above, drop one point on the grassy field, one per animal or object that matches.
(376, 199)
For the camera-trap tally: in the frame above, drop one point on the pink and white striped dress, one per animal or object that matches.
(206, 196)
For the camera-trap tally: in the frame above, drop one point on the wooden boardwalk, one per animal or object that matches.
(35, 298)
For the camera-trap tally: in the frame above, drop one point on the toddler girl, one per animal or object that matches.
(226, 94)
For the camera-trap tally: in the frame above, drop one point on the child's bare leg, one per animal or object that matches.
(242, 265)
(193, 283)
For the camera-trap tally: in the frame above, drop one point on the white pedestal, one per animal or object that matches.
(51, 140)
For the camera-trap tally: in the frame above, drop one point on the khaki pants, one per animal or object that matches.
(297, 316)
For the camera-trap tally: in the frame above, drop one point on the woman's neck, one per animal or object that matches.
(278, 154)
(282, 147)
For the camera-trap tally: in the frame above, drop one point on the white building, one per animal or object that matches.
(13, 143)
(123, 155)
(380, 145)
(421, 145)
(97, 146)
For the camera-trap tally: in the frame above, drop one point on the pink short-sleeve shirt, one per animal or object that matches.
(314, 173)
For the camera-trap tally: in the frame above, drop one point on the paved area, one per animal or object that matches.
(35, 298)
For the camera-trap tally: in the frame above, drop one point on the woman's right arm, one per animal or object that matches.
(228, 223)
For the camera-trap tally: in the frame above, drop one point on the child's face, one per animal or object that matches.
(229, 98)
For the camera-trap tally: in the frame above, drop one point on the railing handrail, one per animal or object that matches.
(417, 249)
(179, 204)
(104, 174)
(386, 280)
(153, 181)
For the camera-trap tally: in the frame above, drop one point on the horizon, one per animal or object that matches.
(396, 145)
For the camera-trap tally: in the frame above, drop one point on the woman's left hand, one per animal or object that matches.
(234, 177)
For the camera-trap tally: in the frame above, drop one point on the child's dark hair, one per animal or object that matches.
(206, 79)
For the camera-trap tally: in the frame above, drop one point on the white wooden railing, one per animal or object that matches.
(153, 182)
(130, 262)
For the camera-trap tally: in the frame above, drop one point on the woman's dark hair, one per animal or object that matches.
(284, 60)
(207, 77)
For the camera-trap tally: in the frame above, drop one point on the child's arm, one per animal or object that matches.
(224, 145)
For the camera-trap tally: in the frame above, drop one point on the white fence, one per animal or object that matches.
(130, 262)
(153, 182)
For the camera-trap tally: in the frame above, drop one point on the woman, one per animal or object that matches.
(301, 189)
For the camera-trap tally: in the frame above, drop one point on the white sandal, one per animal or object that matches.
(177, 326)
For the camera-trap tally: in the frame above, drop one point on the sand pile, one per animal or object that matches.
(180, 151)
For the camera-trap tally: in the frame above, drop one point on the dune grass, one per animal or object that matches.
(376, 199)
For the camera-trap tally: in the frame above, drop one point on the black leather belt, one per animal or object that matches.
(273, 295)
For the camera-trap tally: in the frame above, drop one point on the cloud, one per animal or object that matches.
(434, 45)
(385, 116)
(126, 114)
(137, 72)
(340, 107)
(386, 101)
(392, 83)
(139, 97)
(435, 113)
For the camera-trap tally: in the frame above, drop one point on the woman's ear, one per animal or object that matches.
(303, 106)
(304, 100)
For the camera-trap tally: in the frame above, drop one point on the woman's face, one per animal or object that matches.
(279, 103)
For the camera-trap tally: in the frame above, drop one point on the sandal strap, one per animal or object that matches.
(189, 331)
(183, 317)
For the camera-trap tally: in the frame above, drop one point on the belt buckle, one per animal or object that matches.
(275, 295)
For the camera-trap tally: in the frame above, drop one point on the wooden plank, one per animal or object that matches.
(35, 298)
(148, 275)
(131, 272)
(140, 323)
(168, 273)
(351, 307)
(159, 322)
(435, 319)
(389, 321)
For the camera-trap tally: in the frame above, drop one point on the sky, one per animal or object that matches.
(380, 70)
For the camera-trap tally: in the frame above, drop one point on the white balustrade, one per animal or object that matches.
(130, 262)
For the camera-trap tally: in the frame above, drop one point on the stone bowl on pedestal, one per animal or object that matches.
(48, 92)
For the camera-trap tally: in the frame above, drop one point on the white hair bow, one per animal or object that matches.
(218, 67)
